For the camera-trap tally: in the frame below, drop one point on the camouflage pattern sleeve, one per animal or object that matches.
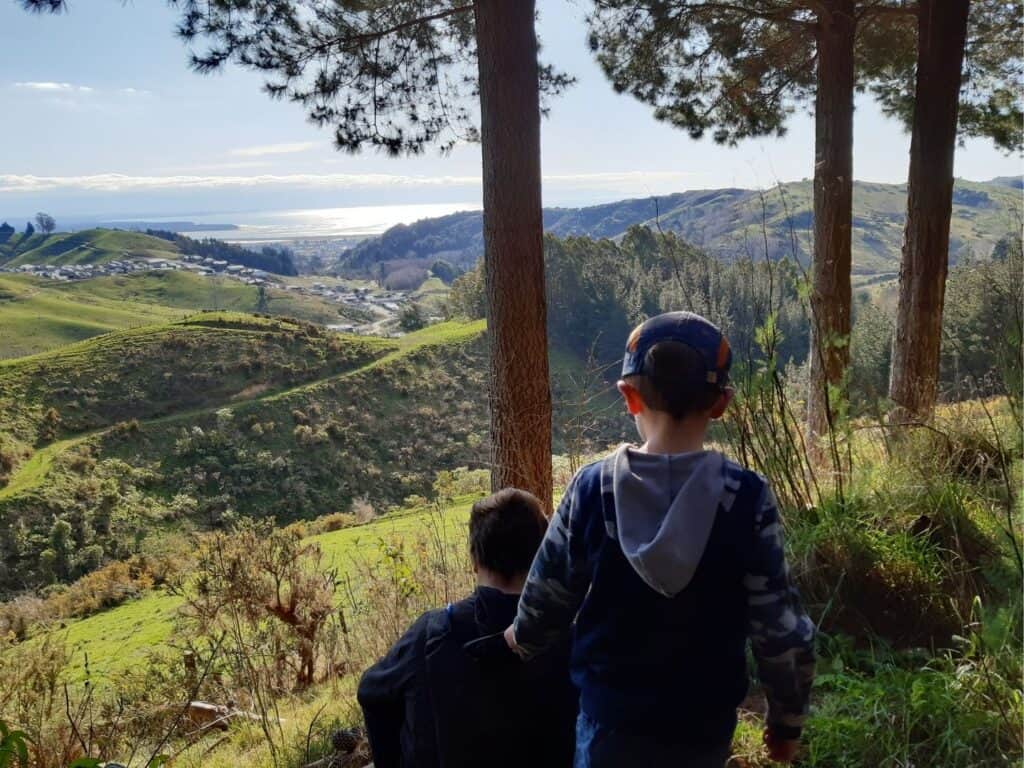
(781, 633)
(557, 584)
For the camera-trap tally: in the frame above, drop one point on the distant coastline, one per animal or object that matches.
(182, 227)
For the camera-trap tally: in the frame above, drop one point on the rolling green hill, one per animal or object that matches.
(160, 369)
(194, 422)
(37, 315)
(89, 246)
(101, 245)
(184, 290)
(34, 316)
(142, 434)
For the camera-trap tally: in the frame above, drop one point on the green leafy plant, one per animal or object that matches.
(13, 747)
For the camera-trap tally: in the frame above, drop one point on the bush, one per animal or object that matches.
(12, 453)
(411, 318)
(329, 523)
(363, 510)
(99, 590)
(270, 597)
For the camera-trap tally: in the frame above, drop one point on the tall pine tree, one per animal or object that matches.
(739, 69)
(966, 78)
(402, 76)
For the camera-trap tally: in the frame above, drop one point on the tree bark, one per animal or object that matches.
(833, 212)
(942, 33)
(520, 392)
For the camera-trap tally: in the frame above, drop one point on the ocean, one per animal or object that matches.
(350, 223)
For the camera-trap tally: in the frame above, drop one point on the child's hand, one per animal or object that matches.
(510, 638)
(780, 750)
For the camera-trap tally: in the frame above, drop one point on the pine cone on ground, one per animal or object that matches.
(346, 740)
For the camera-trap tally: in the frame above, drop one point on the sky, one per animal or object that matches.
(103, 117)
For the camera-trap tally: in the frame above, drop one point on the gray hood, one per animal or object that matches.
(665, 505)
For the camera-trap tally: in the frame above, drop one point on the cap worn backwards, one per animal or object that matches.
(686, 328)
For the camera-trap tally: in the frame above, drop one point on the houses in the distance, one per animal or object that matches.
(196, 264)
(68, 272)
(247, 275)
(379, 306)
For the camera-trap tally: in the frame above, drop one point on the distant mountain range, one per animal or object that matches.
(727, 222)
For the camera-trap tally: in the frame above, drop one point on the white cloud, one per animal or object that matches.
(115, 182)
(51, 87)
(275, 149)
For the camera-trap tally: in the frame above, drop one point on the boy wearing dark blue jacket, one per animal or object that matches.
(441, 699)
(664, 559)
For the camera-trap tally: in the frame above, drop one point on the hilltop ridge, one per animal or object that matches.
(722, 221)
(88, 246)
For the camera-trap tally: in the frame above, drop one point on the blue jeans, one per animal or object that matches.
(601, 747)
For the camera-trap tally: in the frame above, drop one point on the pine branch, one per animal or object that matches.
(782, 15)
(348, 43)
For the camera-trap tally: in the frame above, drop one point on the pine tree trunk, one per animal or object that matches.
(520, 393)
(833, 212)
(942, 33)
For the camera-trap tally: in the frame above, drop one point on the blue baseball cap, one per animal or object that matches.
(686, 328)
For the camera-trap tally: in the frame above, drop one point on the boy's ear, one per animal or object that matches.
(634, 402)
(722, 402)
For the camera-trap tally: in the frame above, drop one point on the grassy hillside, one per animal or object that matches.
(432, 296)
(724, 220)
(89, 246)
(156, 370)
(223, 415)
(36, 317)
(184, 290)
(41, 315)
(136, 437)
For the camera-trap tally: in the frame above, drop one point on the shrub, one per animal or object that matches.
(332, 522)
(363, 510)
(12, 453)
(50, 425)
(271, 598)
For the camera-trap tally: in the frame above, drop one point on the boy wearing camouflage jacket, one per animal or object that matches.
(664, 559)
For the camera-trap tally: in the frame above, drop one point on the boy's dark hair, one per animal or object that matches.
(505, 531)
(675, 380)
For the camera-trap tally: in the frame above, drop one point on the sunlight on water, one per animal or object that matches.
(356, 221)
